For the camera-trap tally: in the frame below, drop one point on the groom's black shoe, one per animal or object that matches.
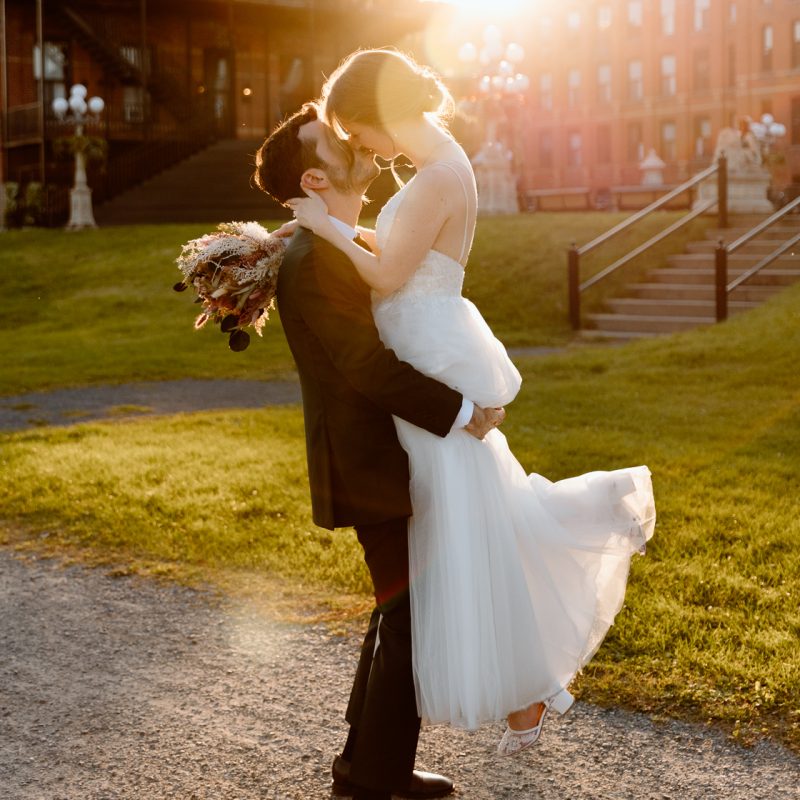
(423, 785)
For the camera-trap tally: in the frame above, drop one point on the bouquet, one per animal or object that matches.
(234, 271)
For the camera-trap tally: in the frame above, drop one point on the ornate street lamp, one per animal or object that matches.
(77, 111)
(499, 85)
(767, 131)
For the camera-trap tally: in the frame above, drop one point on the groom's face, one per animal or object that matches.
(348, 171)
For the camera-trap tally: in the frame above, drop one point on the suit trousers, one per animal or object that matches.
(382, 711)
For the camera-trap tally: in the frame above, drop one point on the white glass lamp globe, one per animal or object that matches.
(485, 84)
(778, 130)
(521, 83)
(60, 106)
(767, 120)
(467, 53)
(79, 90)
(515, 53)
(759, 130)
(96, 105)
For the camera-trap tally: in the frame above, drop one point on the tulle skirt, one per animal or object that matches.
(515, 580)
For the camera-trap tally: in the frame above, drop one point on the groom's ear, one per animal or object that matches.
(314, 179)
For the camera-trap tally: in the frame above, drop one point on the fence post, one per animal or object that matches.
(573, 280)
(722, 190)
(721, 280)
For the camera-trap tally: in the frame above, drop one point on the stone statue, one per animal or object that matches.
(741, 147)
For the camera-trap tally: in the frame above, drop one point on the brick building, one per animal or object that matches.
(612, 79)
(609, 79)
(175, 74)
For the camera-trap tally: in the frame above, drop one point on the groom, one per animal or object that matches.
(358, 472)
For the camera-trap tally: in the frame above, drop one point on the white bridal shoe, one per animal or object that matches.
(514, 741)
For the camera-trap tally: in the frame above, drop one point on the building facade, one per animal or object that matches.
(174, 74)
(613, 79)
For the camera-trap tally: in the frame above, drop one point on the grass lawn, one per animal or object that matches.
(711, 625)
(97, 306)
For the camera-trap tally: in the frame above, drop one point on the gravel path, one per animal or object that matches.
(125, 688)
(68, 406)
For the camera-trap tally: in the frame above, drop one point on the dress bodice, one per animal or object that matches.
(437, 277)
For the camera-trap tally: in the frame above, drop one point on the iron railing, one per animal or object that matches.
(721, 286)
(576, 288)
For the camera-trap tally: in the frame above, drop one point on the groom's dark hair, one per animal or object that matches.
(284, 157)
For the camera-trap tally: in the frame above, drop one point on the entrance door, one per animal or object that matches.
(219, 91)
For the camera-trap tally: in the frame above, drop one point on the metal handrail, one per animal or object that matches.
(766, 261)
(762, 226)
(654, 206)
(575, 287)
(648, 244)
(722, 287)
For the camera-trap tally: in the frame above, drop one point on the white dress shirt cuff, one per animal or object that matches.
(465, 415)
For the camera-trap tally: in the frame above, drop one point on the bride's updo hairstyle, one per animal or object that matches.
(379, 87)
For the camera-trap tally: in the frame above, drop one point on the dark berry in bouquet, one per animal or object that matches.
(234, 272)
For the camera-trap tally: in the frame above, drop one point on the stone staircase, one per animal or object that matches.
(210, 186)
(680, 295)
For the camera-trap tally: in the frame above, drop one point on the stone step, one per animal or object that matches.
(780, 230)
(646, 323)
(757, 247)
(673, 308)
(619, 336)
(698, 291)
(768, 275)
(212, 185)
(735, 261)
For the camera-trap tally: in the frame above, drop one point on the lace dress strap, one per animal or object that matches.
(453, 165)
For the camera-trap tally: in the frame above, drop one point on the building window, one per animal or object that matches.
(701, 14)
(546, 150)
(55, 71)
(668, 17)
(574, 21)
(796, 44)
(635, 13)
(767, 40)
(604, 17)
(731, 65)
(702, 70)
(668, 81)
(604, 84)
(702, 137)
(574, 149)
(604, 144)
(546, 92)
(668, 146)
(574, 86)
(635, 149)
(635, 82)
(796, 120)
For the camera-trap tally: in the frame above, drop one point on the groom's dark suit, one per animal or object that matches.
(359, 476)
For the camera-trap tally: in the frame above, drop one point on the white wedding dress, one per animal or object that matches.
(515, 580)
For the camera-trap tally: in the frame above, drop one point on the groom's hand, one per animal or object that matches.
(483, 420)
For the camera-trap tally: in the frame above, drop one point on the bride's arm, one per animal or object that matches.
(368, 235)
(422, 213)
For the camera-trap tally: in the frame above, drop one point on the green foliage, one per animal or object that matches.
(94, 148)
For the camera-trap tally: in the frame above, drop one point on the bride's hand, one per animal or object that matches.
(286, 230)
(311, 212)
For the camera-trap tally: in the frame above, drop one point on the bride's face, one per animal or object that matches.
(363, 137)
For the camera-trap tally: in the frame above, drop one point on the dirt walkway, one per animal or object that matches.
(121, 688)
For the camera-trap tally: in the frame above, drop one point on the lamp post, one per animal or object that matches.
(767, 131)
(77, 111)
(500, 85)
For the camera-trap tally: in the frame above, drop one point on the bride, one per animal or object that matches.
(514, 580)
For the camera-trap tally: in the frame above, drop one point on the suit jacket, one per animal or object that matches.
(351, 384)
